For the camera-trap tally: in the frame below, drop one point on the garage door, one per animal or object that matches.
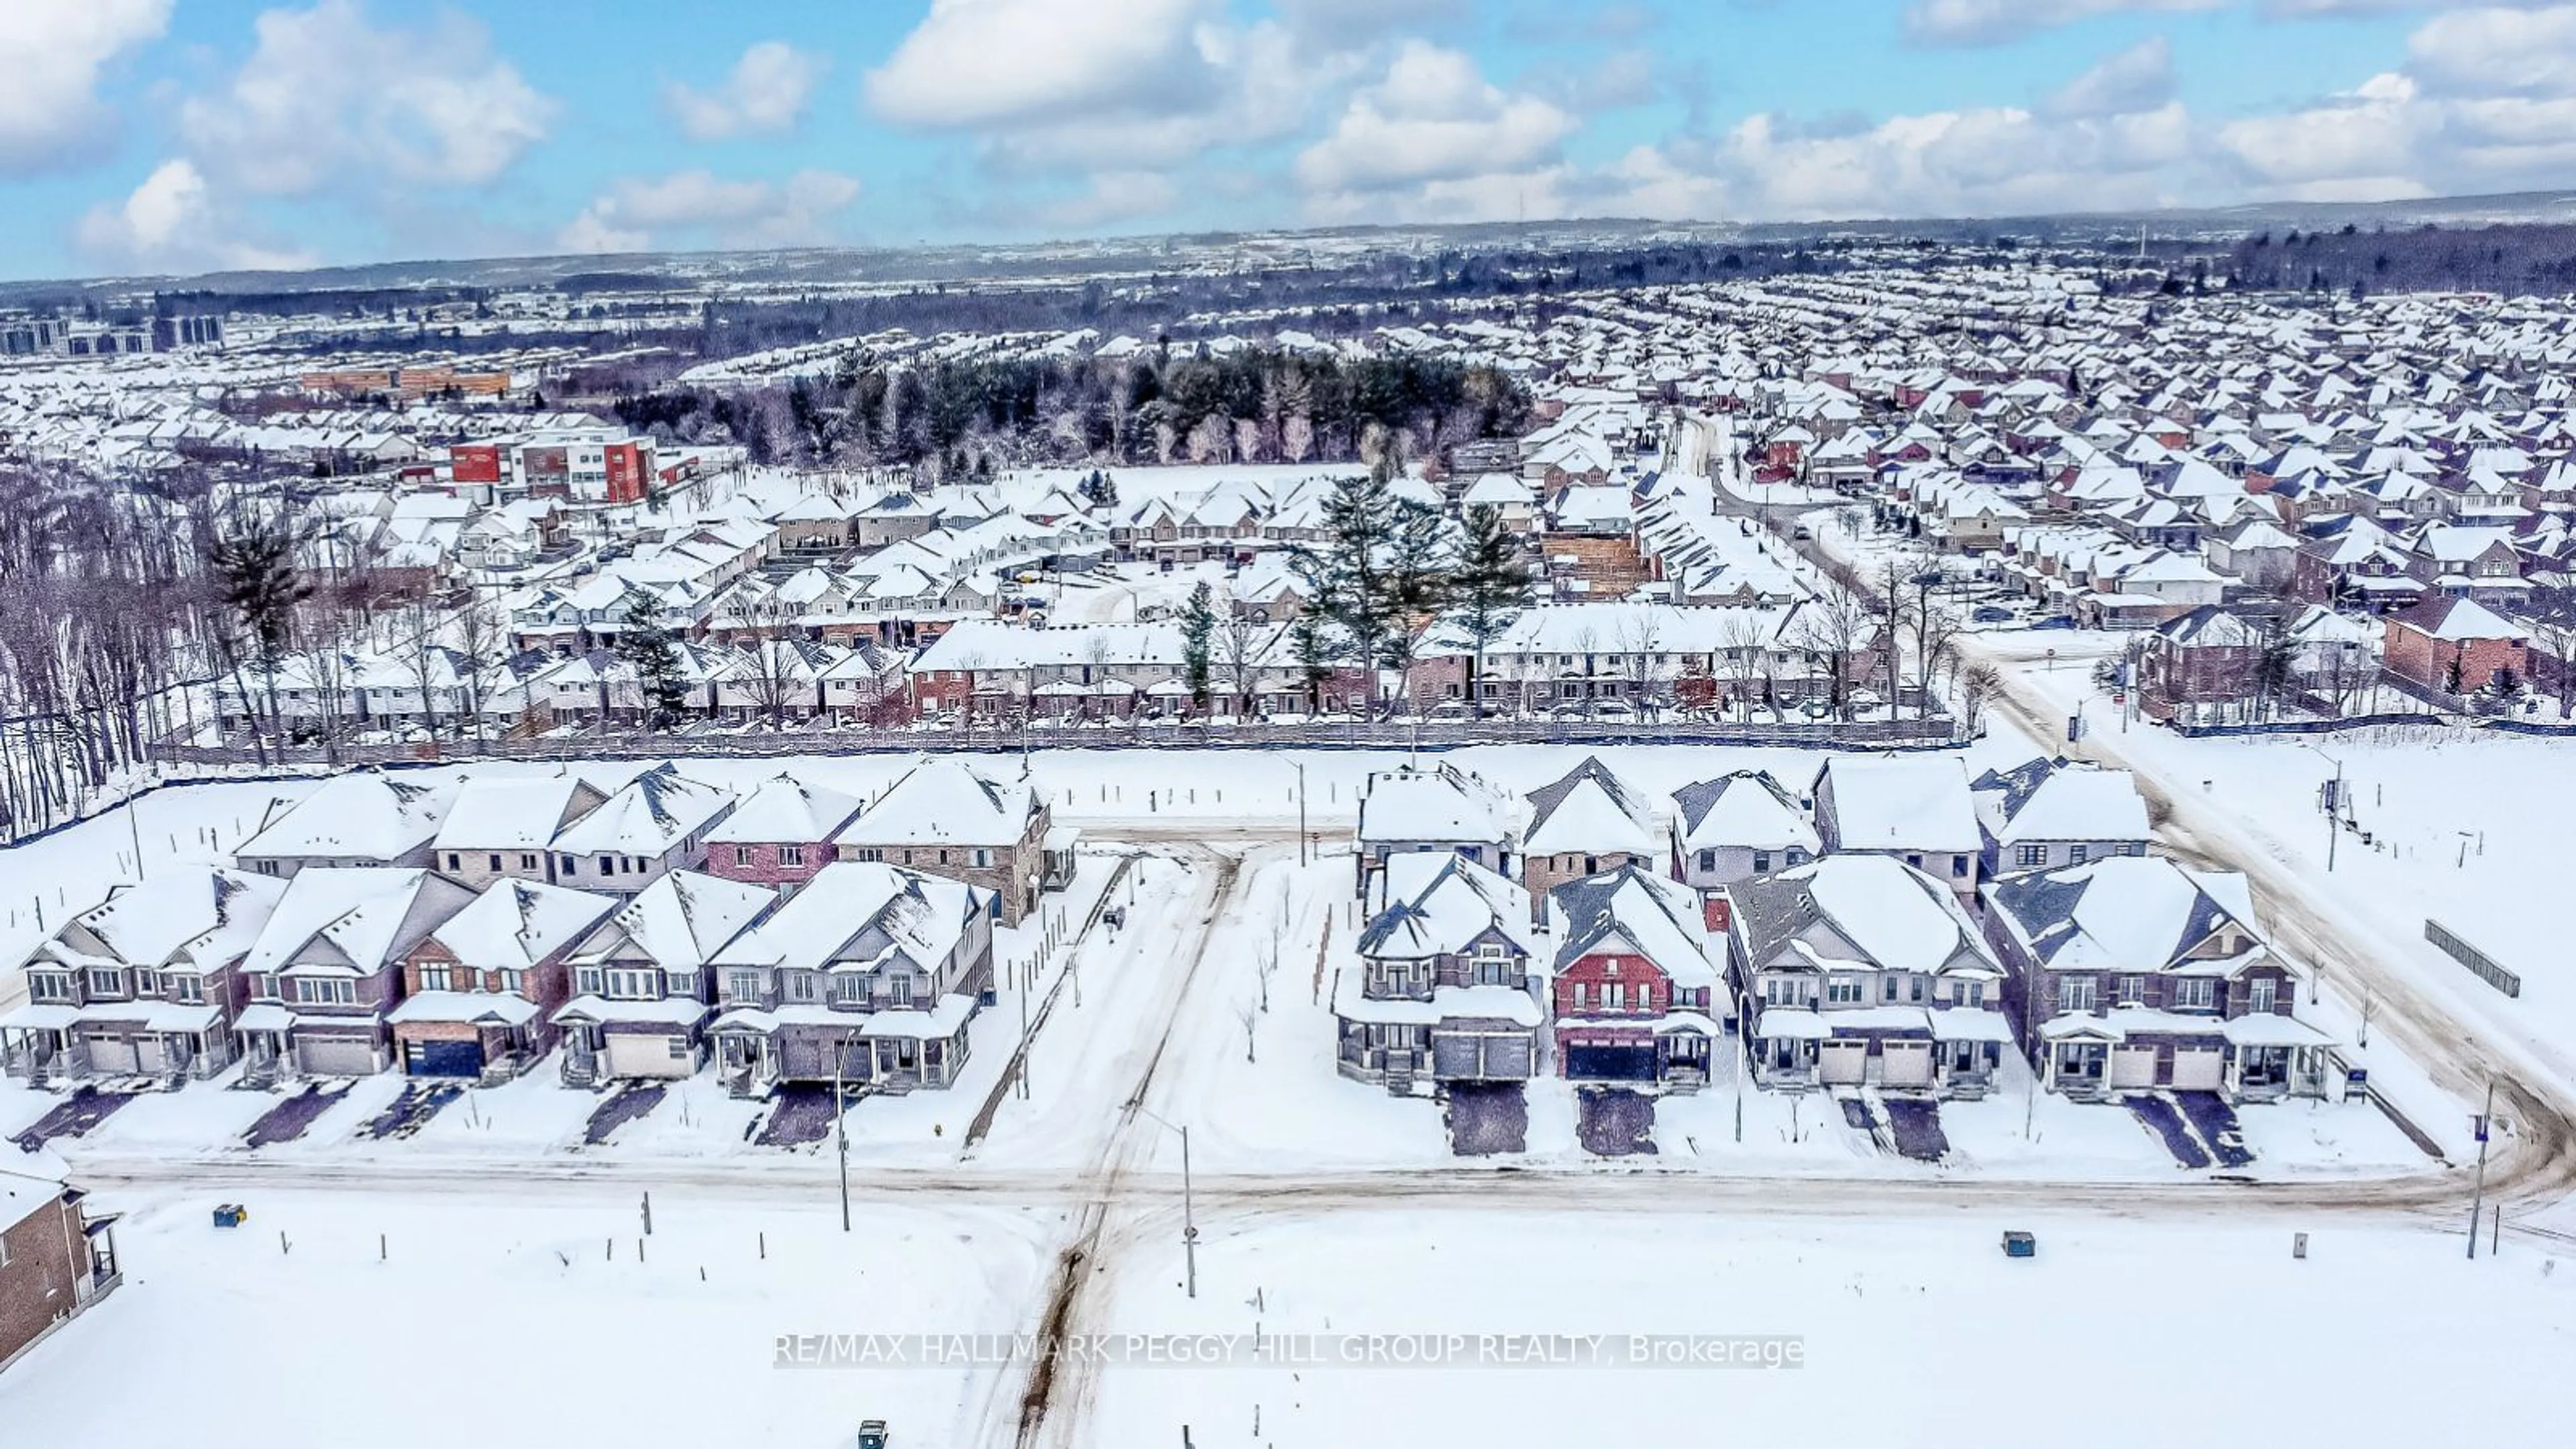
(149, 1057)
(337, 1056)
(113, 1056)
(2133, 1066)
(1610, 1063)
(443, 1058)
(1474, 1057)
(631, 1055)
(1905, 1063)
(2198, 1069)
(1842, 1063)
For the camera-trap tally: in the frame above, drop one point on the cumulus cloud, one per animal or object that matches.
(1432, 119)
(171, 223)
(52, 52)
(690, 207)
(2485, 102)
(2140, 78)
(328, 98)
(768, 90)
(976, 63)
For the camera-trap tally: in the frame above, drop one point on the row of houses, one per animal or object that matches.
(469, 929)
(1891, 923)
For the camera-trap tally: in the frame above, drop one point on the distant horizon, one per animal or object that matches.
(148, 138)
(2253, 214)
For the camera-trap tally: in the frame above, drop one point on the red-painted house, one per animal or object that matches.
(1634, 981)
(780, 835)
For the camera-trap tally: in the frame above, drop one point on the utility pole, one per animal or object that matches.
(1301, 812)
(2477, 1198)
(1190, 1222)
(841, 1128)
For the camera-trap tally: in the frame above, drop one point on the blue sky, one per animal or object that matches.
(178, 135)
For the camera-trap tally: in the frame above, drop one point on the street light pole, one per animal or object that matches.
(841, 1127)
(2478, 1197)
(2334, 801)
(1189, 1212)
(1301, 811)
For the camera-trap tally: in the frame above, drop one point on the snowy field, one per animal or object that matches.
(1913, 1329)
(510, 1320)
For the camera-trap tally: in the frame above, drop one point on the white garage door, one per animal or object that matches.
(149, 1057)
(1905, 1063)
(1842, 1063)
(337, 1056)
(2198, 1069)
(631, 1055)
(2133, 1066)
(113, 1056)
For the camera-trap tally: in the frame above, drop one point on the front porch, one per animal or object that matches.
(631, 1040)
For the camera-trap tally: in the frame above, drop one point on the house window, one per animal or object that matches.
(2076, 853)
(899, 990)
(800, 986)
(1842, 990)
(1582, 994)
(2133, 991)
(106, 981)
(2133, 847)
(453, 862)
(791, 855)
(742, 855)
(2076, 993)
(1972, 993)
(493, 862)
(571, 867)
(528, 860)
(871, 855)
(2030, 857)
(679, 983)
(434, 978)
(587, 981)
(1708, 860)
(1888, 987)
(1615, 997)
(147, 982)
(742, 985)
(1959, 867)
(1761, 862)
(2194, 993)
(2262, 993)
(50, 985)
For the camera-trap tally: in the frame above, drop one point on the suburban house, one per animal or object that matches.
(1739, 825)
(2456, 646)
(1861, 970)
(1633, 980)
(2134, 973)
(641, 980)
(871, 977)
(2046, 813)
(781, 834)
(327, 968)
(1442, 811)
(142, 985)
(2199, 665)
(55, 1259)
(504, 827)
(367, 818)
(1444, 987)
(949, 819)
(656, 823)
(1914, 807)
(1585, 823)
(482, 987)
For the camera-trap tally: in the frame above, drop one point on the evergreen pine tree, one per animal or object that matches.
(655, 657)
(1198, 637)
(1494, 583)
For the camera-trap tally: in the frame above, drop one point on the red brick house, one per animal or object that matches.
(780, 835)
(2207, 660)
(1633, 981)
(481, 991)
(55, 1260)
(2456, 646)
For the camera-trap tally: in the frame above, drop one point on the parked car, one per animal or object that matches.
(1991, 614)
(2055, 621)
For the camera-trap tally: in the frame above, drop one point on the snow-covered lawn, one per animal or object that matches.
(1912, 1328)
(509, 1319)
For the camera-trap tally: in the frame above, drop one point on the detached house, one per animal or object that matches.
(656, 823)
(1913, 807)
(871, 975)
(55, 1259)
(504, 827)
(1740, 825)
(780, 835)
(1633, 980)
(2134, 973)
(950, 819)
(2057, 812)
(327, 969)
(482, 988)
(1444, 987)
(1586, 823)
(1860, 970)
(1442, 811)
(642, 983)
(144, 985)
(368, 818)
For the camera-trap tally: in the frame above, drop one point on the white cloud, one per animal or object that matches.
(697, 207)
(2140, 78)
(1992, 22)
(51, 54)
(767, 91)
(330, 98)
(1113, 196)
(171, 223)
(2485, 102)
(977, 63)
(1338, 24)
(1433, 118)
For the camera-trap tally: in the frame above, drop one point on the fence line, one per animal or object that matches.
(2480, 964)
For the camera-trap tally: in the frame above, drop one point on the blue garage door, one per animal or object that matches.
(443, 1058)
(1610, 1063)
